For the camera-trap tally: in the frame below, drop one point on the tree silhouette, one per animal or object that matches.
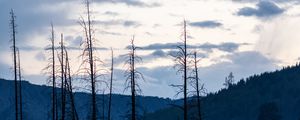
(89, 60)
(50, 69)
(229, 80)
(69, 86)
(20, 84)
(132, 75)
(196, 84)
(182, 67)
(111, 84)
(63, 78)
(15, 67)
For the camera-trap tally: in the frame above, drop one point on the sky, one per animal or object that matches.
(245, 37)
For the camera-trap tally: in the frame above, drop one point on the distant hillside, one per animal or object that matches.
(268, 96)
(37, 103)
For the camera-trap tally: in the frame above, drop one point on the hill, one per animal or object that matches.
(268, 96)
(37, 102)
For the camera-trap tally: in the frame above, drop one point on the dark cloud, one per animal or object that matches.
(111, 33)
(159, 46)
(131, 23)
(159, 53)
(111, 13)
(136, 3)
(168, 50)
(40, 56)
(227, 47)
(170, 53)
(278, 1)
(263, 9)
(206, 24)
(30, 48)
(125, 23)
(75, 42)
(156, 26)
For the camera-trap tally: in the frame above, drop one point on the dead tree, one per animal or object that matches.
(132, 75)
(89, 60)
(111, 84)
(196, 84)
(69, 86)
(51, 71)
(14, 48)
(20, 85)
(63, 76)
(229, 80)
(54, 95)
(182, 67)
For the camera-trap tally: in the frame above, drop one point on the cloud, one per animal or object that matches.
(227, 46)
(125, 23)
(111, 13)
(278, 1)
(75, 42)
(40, 56)
(135, 3)
(279, 38)
(110, 33)
(159, 53)
(242, 64)
(206, 24)
(264, 9)
(167, 50)
(32, 19)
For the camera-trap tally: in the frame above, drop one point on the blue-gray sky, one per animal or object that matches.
(245, 37)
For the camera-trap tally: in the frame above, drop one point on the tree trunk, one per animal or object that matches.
(110, 87)
(185, 75)
(15, 63)
(197, 86)
(133, 113)
(53, 76)
(20, 85)
(62, 80)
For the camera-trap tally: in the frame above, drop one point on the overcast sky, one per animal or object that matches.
(245, 37)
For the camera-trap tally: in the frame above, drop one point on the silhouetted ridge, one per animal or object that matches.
(271, 94)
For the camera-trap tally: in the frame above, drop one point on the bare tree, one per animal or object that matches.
(182, 67)
(88, 65)
(20, 85)
(69, 86)
(14, 48)
(63, 78)
(111, 84)
(196, 84)
(50, 69)
(229, 80)
(132, 75)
